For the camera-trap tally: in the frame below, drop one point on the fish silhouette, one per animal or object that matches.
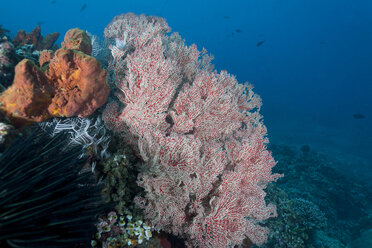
(83, 7)
(260, 43)
(358, 116)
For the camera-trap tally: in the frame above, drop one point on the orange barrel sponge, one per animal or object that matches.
(79, 81)
(72, 84)
(77, 39)
(28, 98)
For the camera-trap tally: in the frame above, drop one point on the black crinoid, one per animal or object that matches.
(46, 200)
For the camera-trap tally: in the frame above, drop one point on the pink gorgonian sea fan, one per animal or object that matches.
(198, 131)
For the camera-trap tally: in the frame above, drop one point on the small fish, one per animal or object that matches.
(238, 30)
(3, 31)
(40, 23)
(226, 17)
(323, 43)
(53, 1)
(83, 7)
(260, 43)
(358, 116)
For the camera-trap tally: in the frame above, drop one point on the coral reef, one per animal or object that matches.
(45, 57)
(2, 31)
(71, 83)
(7, 133)
(181, 158)
(27, 52)
(124, 230)
(317, 206)
(8, 60)
(297, 223)
(36, 39)
(5, 130)
(199, 132)
(365, 240)
(120, 180)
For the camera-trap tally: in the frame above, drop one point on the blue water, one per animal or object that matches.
(313, 71)
(311, 61)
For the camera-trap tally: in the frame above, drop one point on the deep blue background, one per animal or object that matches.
(313, 71)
